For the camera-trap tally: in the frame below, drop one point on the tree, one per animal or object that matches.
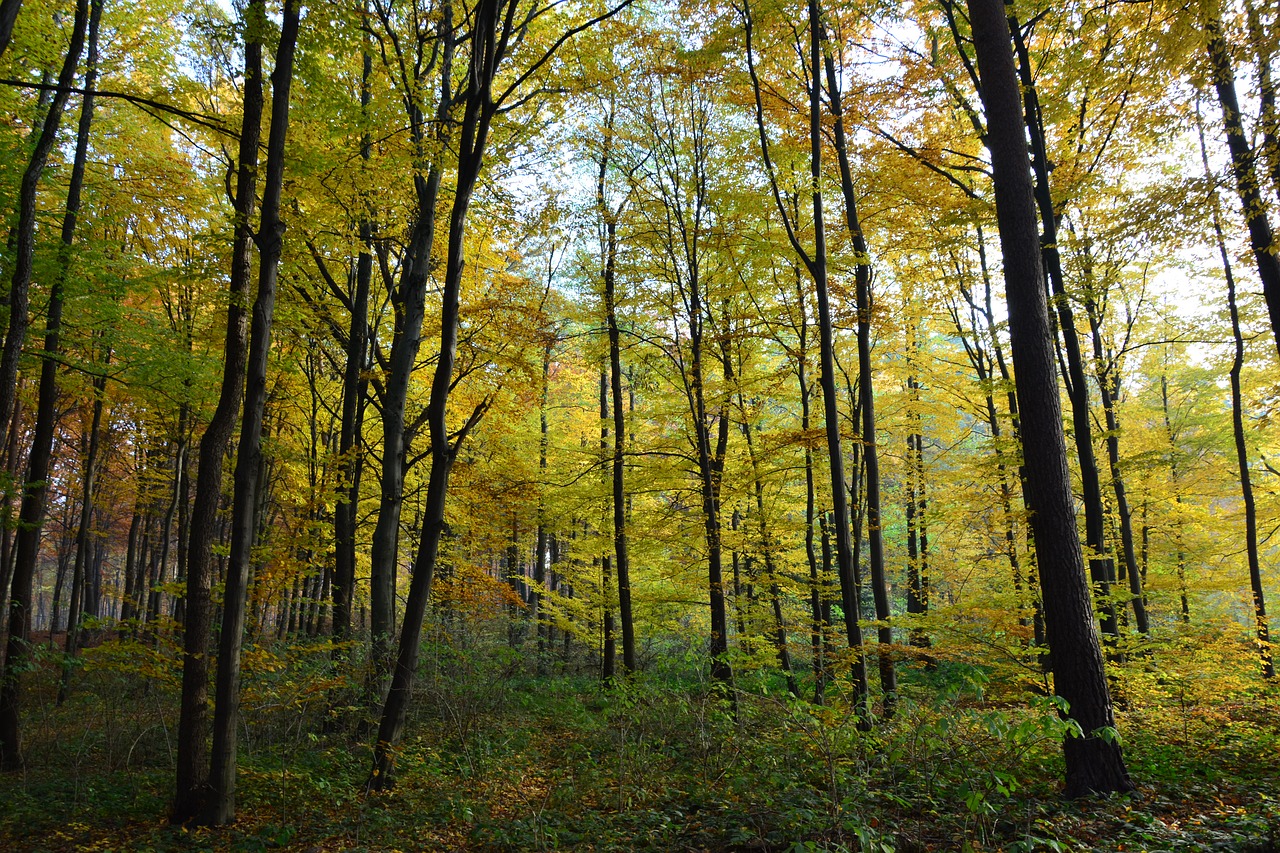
(270, 241)
(31, 515)
(1093, 757)
(816, 264)
(1243, 161)
(495, 28)
(1262, 628)
(192, 787)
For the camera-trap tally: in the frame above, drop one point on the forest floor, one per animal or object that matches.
(497, 760)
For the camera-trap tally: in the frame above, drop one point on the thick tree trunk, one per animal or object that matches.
(1093, 760)
(270, 240)
(1101, 566)
(8, 17)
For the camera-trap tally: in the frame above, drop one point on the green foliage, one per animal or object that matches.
(497, 760)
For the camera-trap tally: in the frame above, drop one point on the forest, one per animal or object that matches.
(503, 425)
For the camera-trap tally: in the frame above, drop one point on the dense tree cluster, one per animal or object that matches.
(796, 334)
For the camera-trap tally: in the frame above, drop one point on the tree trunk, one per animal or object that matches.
(1101, 566)
(35, 492)
(1093, 760)
(540, 625)
(84, 536)
(622, 562)
(489, 39)
(1180, 553)
(25, 231)
(74, 189)
(1261, 625)
(1108, 376)
(190, 800)
(817, 266)
(608, 639)
(409, 300)
(1269, 119)
(818, 603)
(353, 401)
(1243, 166)
(222, 772)
(866, 392)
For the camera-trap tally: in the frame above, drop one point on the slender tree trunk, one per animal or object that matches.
(1243, 165)
(12, 465)
(74, 190)
(866, 392)
(191, 798)
(25, 231)
(35, 492)
(1180, 553)
(767, 549)
(84, 534)
(622, 562)
(1264, 51)
(222, 772)
(65, 545)
(817, 266)
(1261, 625)
(409, 299)
(608, 637)
(489, 39)
(817, 577)
(353, 400)
(544, 539)
(1108, 376)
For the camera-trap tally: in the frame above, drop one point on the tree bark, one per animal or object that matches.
(1243, 165)
(34, 495)
(192, 788)
(1093, 759)
(222, 772)
(866, 389)
(8, 17)
(1261, 626)
(1101, 566)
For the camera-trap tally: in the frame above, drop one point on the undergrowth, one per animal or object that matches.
(501, 759)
